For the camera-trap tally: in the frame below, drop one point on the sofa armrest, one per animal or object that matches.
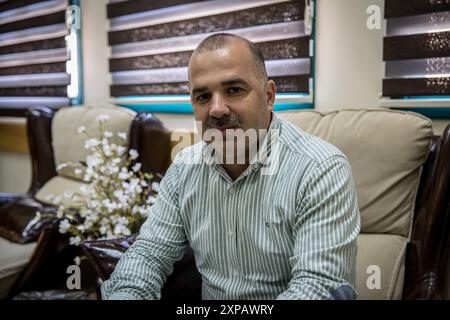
(185, 282)
(428, 249)
(6, 197)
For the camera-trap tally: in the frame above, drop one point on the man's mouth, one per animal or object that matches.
(224, 129)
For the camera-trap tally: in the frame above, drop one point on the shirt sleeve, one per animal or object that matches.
(326, 227)
(142, 271)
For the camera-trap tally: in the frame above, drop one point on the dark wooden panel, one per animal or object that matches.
(284, 85)
(403, 8)
(13, 4)
(427, 45)
(49, 19)
(34, 45)
(56, 91)
(34, 68)
(128, 7)
(416, 87)
(281, 49)
(11, 112)
(282, 12)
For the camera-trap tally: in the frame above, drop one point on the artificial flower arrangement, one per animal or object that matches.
(117, 197)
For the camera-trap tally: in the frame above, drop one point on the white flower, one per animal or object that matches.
(68, 194)
(143, 211)
(122, 135)
(121, 150)
(119, 195)
(93, 161)
(94, 204)
(136, 167)
(113, 169)
(120, 230)
(75, 240)
(64, 226)
(102, 118)
(90, 143)
(103, 229)
(107, 150)
(133, 154)
(151, 200)
(155, 186)
(110, 203)
(124, 175)
(82, 129)
(77, 260)
(61, 166)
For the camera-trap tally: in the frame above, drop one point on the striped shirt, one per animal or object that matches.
(286, 228)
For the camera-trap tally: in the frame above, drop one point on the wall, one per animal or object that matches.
(95, 51)
(15, 166)
(348, 55)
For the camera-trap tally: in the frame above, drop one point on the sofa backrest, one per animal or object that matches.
(69, 145)
(386, 150)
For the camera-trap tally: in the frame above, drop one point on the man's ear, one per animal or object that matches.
(270, 94)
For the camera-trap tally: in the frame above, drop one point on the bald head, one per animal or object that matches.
(222, 40)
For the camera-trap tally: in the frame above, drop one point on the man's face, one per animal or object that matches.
(226, 90)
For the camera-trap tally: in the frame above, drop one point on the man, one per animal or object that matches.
(287, 233)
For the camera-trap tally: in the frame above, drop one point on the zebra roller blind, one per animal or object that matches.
(33, 55)
(151, 41)
(417, 48)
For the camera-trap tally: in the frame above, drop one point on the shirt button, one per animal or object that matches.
(232, 190)
(230, 233)
(235, 273)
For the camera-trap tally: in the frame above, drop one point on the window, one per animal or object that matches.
(39, 55)
(151, 43)
(417, 56)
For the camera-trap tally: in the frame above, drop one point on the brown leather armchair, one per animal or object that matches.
(44, 261)
(426, 251)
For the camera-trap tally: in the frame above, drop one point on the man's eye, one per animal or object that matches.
(202, 97)
(234, 90)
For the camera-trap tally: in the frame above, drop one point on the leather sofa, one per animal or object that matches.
(33, 255)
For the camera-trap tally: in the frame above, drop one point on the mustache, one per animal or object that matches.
(226, 121)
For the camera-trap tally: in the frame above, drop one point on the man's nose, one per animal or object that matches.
(218, 107)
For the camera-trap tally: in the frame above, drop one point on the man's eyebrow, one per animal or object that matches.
(199, 90)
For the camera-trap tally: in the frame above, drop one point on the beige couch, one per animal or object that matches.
(386, 150)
